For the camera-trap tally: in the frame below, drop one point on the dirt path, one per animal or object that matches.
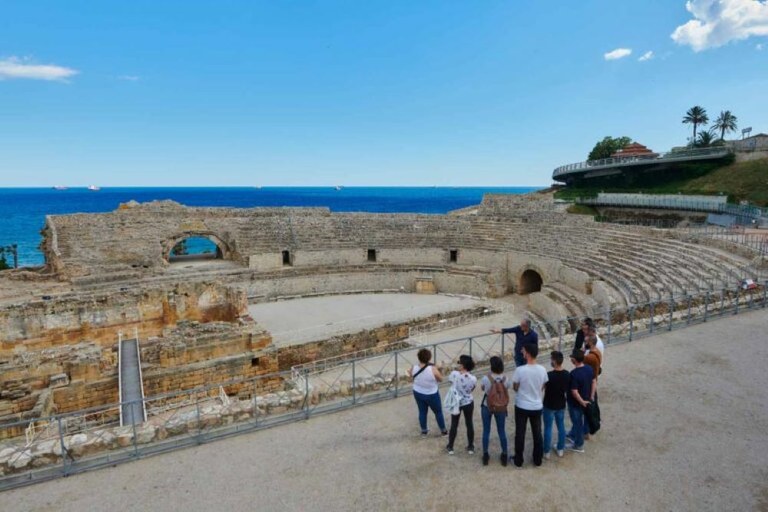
(684, 429)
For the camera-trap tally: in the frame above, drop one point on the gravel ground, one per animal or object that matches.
(684, 429)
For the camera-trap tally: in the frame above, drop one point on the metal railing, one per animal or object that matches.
(88, 439)
(716, 204)
(668, 157)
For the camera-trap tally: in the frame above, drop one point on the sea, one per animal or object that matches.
(23, 210)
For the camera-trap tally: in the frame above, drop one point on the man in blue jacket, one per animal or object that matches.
(523, 335)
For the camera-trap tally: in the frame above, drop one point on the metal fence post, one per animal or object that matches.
(64, 453)
(736, 306)
(706, 305)
(610, 325)
(722, 301)
(470, 347)
(559, 335)
(306, 393)
(255, 405)
(397, 376)
(502, 346)
(631, 321)
(197, 413)
(135, 440)
(671, 311)
(652, 313)
(765, 294)
(688, 318)
(354, 383)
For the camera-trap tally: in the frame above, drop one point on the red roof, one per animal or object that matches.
(634, 149)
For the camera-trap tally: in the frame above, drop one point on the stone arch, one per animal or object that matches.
(530, 281)
(223, 249)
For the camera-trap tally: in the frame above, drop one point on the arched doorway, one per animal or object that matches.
(194, 247)
(530, 281)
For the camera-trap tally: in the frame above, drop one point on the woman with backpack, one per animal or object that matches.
(495, 402)
(464, 383)
(425, 378)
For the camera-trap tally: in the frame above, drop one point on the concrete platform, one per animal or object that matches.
(317, 318)
(683, 429)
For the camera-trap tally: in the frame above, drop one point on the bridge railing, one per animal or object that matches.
(630, 160)
(74, 442)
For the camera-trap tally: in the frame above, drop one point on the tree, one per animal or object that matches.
(705, 140)
(725, 122)
(696, 116)
(608, 146)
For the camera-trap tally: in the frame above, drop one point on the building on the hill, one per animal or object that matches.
(634, 150)
(757, 142)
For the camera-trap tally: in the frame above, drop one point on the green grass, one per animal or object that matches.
(582, 209)
(743, 181)
(739, 181)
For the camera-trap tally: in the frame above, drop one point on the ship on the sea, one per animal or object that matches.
(93, 188)
(60, 187)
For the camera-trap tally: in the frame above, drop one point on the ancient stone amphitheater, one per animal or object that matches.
(109, 278)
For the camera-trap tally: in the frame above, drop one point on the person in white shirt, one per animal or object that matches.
(465, 383)
(425, 391)
(528, 382)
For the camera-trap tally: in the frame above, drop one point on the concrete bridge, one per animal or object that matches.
(612, 166)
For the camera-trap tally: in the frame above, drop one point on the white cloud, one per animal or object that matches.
(129, 78)
(718, 22)
(16, 68)
(618, 53)
(646, 56)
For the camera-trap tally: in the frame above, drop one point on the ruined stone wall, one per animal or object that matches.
(99, 318)
(367, 278)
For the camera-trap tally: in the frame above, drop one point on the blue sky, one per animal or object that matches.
(360, 93)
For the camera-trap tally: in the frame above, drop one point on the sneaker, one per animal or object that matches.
(425, 433)
(576, 449)
(547, 455)
(449, 450)
(486, 458)
(444, 433)
(470, 450)
(559, 453)
(504, 459)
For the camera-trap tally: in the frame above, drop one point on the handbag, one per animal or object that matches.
(451, 403)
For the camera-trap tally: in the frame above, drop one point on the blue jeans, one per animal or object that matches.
(559, 416)
(426, 402)
(501, 418)
(578, 424)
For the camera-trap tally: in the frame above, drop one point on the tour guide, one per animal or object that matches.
(523, 335)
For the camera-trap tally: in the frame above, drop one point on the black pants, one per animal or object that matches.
(522, 416)
(468, 410)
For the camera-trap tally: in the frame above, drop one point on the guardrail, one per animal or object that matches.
(667, 157)
(83, 440)
(664, 202)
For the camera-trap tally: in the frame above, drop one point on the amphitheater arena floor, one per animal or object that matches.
(684, 429)
(318, 318)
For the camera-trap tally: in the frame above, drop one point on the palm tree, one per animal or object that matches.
(696, 116)
(705, 140)
(725, 122)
